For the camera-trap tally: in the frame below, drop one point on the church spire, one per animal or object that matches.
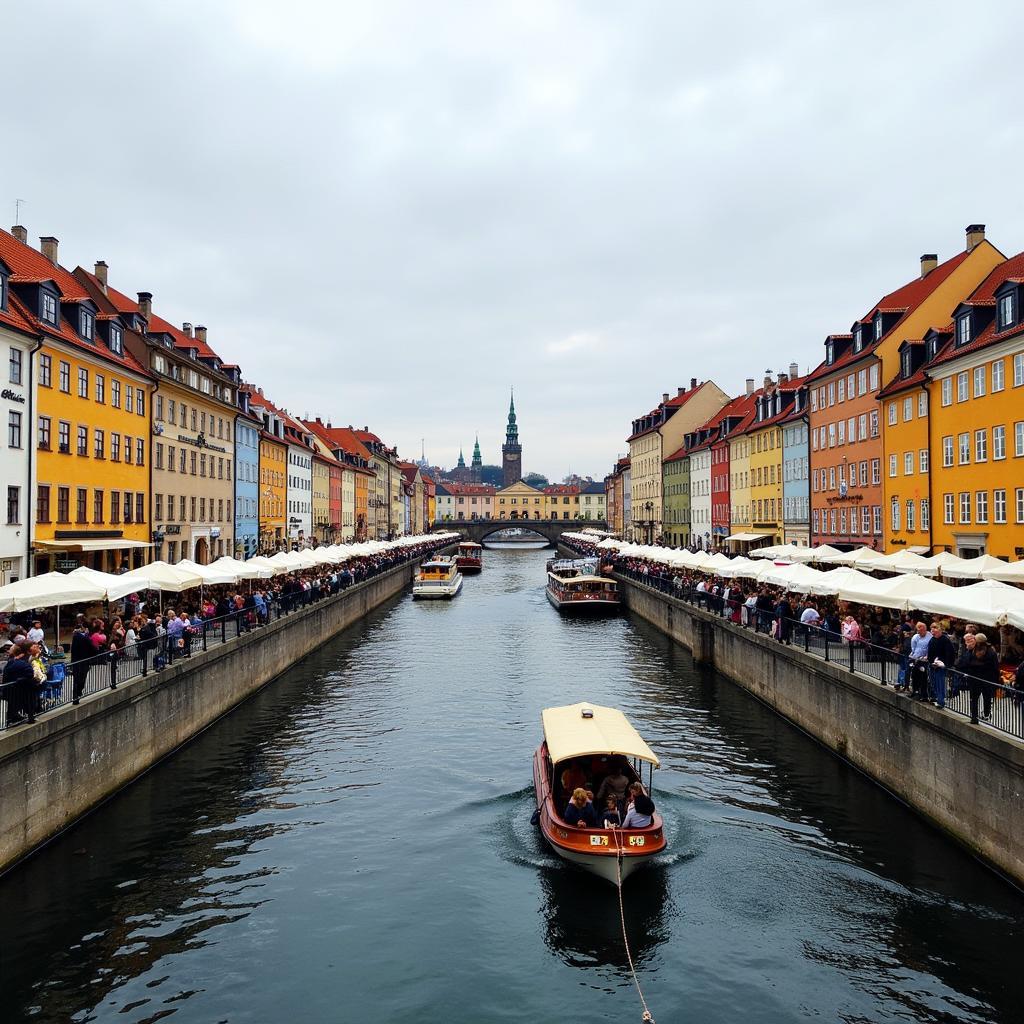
(478, 459)
(512, 431)
(462, 460)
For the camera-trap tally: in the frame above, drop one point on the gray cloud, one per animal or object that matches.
(389, 215)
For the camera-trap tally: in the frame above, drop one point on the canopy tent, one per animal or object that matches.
(93, 544)
(115, 586)
(900, 592)
(50, 590)
(769, 552)
(163, 576)
(836, 581)
(988, 602)
(825, 552)
(246, 570)
(1008, 572)
(904, 561)
(942, 558)
(714, 563)
(208, 574)
(262, 562)
(739, 567)
(796, 577)
(744, 538)
(609, 542)
(606, 731)
(972, 568)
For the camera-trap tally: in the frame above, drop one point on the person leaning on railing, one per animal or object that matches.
(980, 666)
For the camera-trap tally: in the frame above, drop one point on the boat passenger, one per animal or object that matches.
(579, 811)
(610, 815)
(616, 782)
(573, 778)
(641, 814)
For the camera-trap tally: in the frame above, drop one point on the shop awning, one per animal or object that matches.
(100, 544)
(747, 536)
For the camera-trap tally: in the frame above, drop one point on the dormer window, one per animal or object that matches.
(878, 326)
(963, 329)
(830, 353)
(48, 308)
(905, 363)
(116, 340)
(1005, 310)
(858, 339)
(933, 348)
(85, 324)
(3, 290)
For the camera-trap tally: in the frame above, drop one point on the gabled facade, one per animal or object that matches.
(519, 501)
(796, 487)
(592, 501)
(675, 489)
(386, 501)
(561, 501)
(247, 479)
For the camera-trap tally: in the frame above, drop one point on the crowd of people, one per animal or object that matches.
(933, 657)
(620, 801)
(145, 635)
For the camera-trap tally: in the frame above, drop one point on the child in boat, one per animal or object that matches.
(580, 811)
(610, 815)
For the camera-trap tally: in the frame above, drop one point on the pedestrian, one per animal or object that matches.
(941, 655)
(82, 653)
(981, 667)
(919, 644)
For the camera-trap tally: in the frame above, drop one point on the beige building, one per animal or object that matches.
(519, 501)
(656, 435)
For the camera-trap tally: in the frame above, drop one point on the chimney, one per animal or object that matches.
(664, 396)
(794, 371)
(146, 304)
(975, 235)
(768, 379)
(201, 333)
(930, 260)
(680, 392)
(783, 377)
(100, 271)
(693, 383)
(20, 233)
(48, 247)
(366, 430)
(186, 329)
(750, 386)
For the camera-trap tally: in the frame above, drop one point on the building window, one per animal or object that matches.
(115, 394)
(1018, 369)
(864, 473)
(63, 504)
(129, 402)
(981, 446)
(83, 383)
(999, 505)
(876, 471)
(65, 377)
(965, 449)
(15, 365)
(922, 460)
(962, 386)
(43, 433)
(100, 388)
(947, 451)
(116, 344)
(908, 409)
(965, 507)
(45, 371)
(979, 381)
(911, 509)
(48, 308)
(999, 442)
(115, 447)
(140, 402)
(64, 437)
(895, 515)
(876, 517)
(13, 506)
(892, 414)
(893, 465)
(908, 463)
(873, 421)
(1018, 438)
(98, 443)
(981, 507)
(43, 503)
(1018, 496)
(947, 390)
(963, 329)
(926, 515)
(13, 429)
(948, 509)
(998, 375)
(81, 505)
(128, 449)
(140, 508)
(85, 324)
(1006, 310)
(97, 506)
(922, 404)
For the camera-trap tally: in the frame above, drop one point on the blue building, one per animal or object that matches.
(247, 480)
(796, 484)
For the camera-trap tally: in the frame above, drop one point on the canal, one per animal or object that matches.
(354, 844)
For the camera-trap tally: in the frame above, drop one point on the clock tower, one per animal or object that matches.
(511, 450)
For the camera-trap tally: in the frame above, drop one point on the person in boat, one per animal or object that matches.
(580, 811)
(615, 783)
(573, 778)
(640, 814)
(611, 816)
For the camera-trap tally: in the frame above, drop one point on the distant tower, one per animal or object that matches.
(511, 450)
(476, 473)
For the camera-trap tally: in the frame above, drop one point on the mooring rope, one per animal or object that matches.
(646, 1018)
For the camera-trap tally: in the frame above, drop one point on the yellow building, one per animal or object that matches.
(92, 420)
(273, 492)
(975, 381)
(519, 501)
(561, 501)
(739, 478)
(322, 498)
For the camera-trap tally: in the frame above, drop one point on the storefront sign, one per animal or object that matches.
(12, 396)
(201, 442)
(172, 529)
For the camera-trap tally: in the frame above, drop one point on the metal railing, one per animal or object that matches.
(1000, 706)
(69, 681)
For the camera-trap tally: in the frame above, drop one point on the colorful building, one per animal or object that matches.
(796, 480)
(675, 490)
(592, 501)
(561, 501)
(847, 447)
(90, 418)
(660, 433)
(520, 501)
(975, 380)
(322, 522)
(247, 479)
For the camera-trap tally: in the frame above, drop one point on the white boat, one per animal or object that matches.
(437, 579)
(577, 589)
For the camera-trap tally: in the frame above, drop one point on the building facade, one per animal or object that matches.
(520, 501)
(796, 483)
(247, 480)
(592, 502)
(675, 489)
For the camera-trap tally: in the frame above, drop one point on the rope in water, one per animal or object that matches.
(646, 1018)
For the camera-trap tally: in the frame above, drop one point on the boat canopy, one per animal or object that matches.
(571, 732)
(468, 544)
(580, 579)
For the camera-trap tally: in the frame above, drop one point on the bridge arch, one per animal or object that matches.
(550, 530)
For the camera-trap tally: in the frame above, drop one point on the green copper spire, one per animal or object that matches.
(478, 460)
(462, 461)
(512, 432)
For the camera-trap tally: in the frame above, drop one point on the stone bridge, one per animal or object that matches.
(549, 529)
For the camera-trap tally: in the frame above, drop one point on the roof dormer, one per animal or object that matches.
(1007, 298)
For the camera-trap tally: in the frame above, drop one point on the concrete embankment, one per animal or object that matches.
(56, 771)
(967, 780)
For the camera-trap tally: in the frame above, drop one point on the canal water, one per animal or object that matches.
(354, 844)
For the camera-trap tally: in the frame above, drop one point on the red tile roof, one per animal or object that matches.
(469, 489)
(742, 405)
(292, 426)
(561, 489)
(672, 403)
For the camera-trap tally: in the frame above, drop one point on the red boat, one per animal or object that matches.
(592, 738)
(470, 558)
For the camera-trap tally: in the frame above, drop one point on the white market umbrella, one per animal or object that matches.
(739, 566)
(799, 578)
(972, 568)
(115, 586)
(988, 602)
(209, 574)
(834, 582)
(900, 592)
(50, 590)
(243, 570)
(904, 561)
(163, 576)
(1008, 572)
(825, 553)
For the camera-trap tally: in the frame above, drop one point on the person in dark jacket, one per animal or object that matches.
(82, 652)
(784, 620)
(148, 637)
(580, 811)
(941, 655)
(19, 685)
(981, 667)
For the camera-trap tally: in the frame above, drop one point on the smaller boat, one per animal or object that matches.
(585, 740)
(576, 588)
(437, 579)
(469, 558)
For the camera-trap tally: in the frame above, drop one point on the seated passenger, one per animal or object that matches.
(641, 814)
(610, 816)
(579, 811)
(616, 782)
(573, 778)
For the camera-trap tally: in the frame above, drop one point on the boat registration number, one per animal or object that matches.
(636, 840)
(598, 840)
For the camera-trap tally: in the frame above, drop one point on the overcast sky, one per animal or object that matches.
(389, 213)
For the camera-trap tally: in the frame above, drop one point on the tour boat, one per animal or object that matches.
(470, 557)
(593, 738)
(576, 587)
(438, 578)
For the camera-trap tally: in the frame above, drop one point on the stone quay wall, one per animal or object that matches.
(54, 772)
(965, 779)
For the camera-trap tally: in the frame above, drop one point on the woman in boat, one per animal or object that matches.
(580, 811)
(611, 816)
(614, 784)
(641, 814)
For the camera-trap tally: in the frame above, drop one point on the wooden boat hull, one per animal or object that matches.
(589, 606)
(595, 850)
(469, 566)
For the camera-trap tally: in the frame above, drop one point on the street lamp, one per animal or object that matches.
(649, 507)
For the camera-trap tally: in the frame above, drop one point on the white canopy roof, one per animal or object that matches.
(1008, 572)
(247, 570)
(972, 568)
(836, 581)
(747, 536)
(48, 591)
(900, 592)
(904, 561)
(987, 602)
(740, 567)
(116, 586)
(94, 544)
(825, 552)
(163, 576)
(607, 731)
(796, 577)
(209, 574)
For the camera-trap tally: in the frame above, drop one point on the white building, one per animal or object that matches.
(299, 493)
(17, 400)
(700, 497)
